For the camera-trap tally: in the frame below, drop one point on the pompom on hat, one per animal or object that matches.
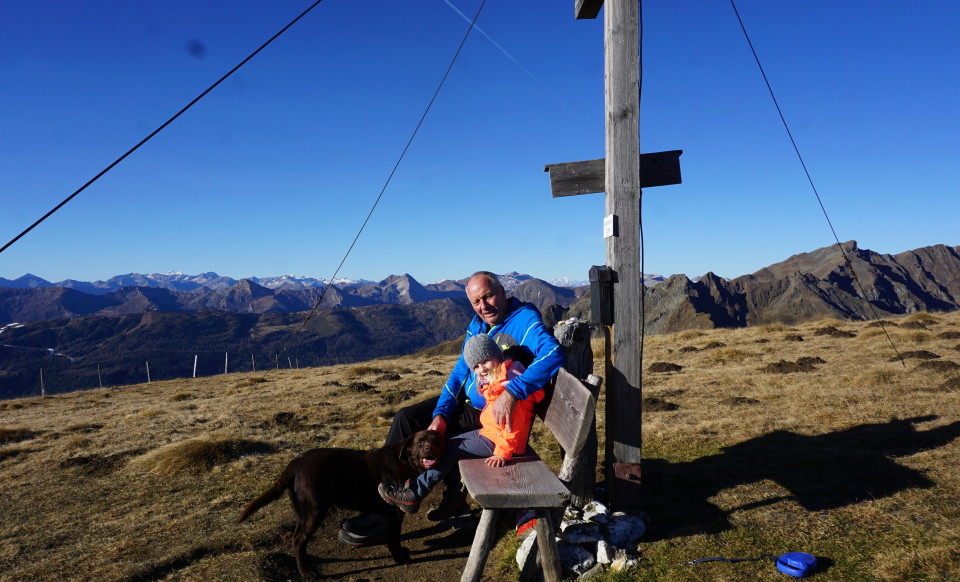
(480, 347)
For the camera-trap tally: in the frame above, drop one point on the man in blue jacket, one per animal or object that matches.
(519, 330)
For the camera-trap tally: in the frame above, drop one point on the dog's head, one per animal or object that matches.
(423, 449)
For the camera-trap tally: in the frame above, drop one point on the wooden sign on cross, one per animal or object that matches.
(620, 175)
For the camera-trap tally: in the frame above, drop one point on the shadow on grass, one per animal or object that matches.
(821, 472)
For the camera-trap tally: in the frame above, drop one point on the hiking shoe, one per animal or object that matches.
(399, 496)
(452, 504)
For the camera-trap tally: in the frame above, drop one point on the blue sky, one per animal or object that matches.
(275, 170)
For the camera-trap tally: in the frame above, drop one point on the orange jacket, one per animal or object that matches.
(512, 442)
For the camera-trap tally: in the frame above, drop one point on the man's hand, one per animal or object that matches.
(495, 461)
(503, 410)
(439, 424)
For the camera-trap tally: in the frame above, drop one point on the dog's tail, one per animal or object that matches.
(268, 496)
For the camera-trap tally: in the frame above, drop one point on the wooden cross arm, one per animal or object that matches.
(587, 9)
(587, 177)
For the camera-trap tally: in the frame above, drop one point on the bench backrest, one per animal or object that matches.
(567, 411)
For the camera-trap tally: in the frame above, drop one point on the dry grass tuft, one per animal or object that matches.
(664, 367)
(922, 318)
(16, 435)
(198, 455)
(181, 396)
(690, 334)
(364, 370)
(938, 365)
(833, 331)
(732, 355)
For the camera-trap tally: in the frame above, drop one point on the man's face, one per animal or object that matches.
(489, 301)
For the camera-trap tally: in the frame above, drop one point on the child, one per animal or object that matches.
(494, 442)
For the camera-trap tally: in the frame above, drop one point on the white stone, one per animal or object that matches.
(596, 511)
(579, 532)
(525, 547)
(605, 553)
(624, 530)
(571, 513)
(575, 558)
(622, 563)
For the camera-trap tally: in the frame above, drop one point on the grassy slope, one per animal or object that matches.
(853, 461)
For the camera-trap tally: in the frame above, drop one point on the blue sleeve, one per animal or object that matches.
(459, 379)
(451, 390)
(548, 356)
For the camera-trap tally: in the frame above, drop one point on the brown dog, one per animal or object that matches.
(321, 478)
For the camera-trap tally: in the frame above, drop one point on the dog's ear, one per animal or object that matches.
(406, 447)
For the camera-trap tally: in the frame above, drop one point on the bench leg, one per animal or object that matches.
(547, 543)
(482, 541)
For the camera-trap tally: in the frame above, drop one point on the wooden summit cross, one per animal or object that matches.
(620, 175)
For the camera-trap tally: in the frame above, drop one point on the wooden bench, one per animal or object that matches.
(526, 482)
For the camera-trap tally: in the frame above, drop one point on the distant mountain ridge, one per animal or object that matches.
(35, 300)
(853, 283)
(213, 282)
(79, 338)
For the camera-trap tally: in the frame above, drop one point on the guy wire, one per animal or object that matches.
(159, 129)
(796, 149)
(323, 294)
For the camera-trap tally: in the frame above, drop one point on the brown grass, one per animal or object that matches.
(852, 459)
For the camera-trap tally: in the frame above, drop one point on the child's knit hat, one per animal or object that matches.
(479, 348)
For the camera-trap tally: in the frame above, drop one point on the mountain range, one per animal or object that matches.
(32, 300)
(111, 336)
(213, 282)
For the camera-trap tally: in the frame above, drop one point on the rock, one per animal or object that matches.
(525, 547)
(571, 513)
(605, 553)
(574, 558)
(624, 530)
(623, 564)
(597, 512)
(579, 532)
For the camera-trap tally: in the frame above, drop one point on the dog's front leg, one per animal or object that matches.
(401, 555)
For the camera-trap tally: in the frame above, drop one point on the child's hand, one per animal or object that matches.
(495, 461)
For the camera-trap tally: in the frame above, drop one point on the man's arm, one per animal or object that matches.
(548, 359)
(451, 390)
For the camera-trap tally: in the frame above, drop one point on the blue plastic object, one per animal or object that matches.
(797, 564)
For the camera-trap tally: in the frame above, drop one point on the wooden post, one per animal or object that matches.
(622, 174)
(624, 380)
(43, 388)
(225, 354)
(253, 362)
(194, 365)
